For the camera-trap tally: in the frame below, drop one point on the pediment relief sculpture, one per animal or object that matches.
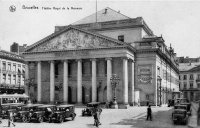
(73, 39)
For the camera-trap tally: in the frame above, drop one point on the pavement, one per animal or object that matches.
(133, 117)
(192, 123)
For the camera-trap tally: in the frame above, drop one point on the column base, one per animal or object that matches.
(114, 105)
(124, 106)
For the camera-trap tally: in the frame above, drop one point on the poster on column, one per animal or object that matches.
(144, 74)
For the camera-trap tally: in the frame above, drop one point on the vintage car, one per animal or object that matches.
(180, 116)
(62, 112)
(183, 106)
(26, 112)
(89, 108)
(189, 110)
(180, 100)
(6, 108)
(43, 113)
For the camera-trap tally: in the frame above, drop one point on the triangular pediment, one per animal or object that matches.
(73, 38)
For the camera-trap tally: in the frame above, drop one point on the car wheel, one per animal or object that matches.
(24, 119)
(40, 119)
(29, 119)
(49, 120)
(61, 120)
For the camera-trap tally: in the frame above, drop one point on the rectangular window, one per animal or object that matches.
(14, 68)
(4, 66)
(121, 38)
(9, 66)
(198, 76)
(185, 77)
(19, 80)
(191, 85)
(191, 77)
(158, 71)
(185, 85)
(9, 79)
(14, 79)
(179, 77)
(4, 78)
(198, 85)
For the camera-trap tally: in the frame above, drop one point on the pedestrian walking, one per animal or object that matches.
(96, 115)
(10, 119)
(149, 113)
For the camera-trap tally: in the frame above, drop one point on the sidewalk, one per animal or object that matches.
(193, 119)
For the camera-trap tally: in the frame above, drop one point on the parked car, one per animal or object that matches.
(89, 108)
(180, 116)
(26, 112)
(189, 110)
(62, 112)
(180, 100)
(43, 113)
(6, 108)
(183, 106)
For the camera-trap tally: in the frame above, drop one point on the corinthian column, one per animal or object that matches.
(52, 81)
(94, 82)
(65, 82)
(133, 82)
(109, 73)
(39, 88)
(125, 80)
(79, 82)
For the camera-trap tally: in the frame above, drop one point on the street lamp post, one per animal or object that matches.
(114, 82)
(29, 83)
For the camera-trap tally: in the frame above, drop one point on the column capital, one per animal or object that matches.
(133, 61)
(108, 58)
(93, 59)
(79, 60)
(64, 60)
(51, 61)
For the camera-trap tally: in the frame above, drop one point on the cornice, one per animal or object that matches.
(85, 49)
(162, 55)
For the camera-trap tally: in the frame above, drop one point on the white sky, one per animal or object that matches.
(178, 22)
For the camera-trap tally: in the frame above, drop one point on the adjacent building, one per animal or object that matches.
(190, 78)
(12, 73)
(76, 62)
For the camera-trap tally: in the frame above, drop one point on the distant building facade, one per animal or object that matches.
(16, 48)
(12, 73)
(190, 78)
(76, 62)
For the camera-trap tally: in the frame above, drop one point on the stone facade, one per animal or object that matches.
(75, 63)
(12, 73)
(190, 80)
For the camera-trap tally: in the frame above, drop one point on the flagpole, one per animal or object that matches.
(96, 11)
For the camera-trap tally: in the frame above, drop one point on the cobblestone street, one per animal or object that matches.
(133, 117)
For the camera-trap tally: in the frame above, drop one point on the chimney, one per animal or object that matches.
(105, 11)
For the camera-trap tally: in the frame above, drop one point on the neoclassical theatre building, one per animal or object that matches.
(76, 62)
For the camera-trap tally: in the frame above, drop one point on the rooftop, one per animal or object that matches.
(103, 15)
(11, 56)
(188, 66)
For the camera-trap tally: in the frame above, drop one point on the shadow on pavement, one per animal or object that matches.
(161, 119)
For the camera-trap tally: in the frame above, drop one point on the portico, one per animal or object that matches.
(81, 75)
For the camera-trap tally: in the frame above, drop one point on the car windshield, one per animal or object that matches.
(180, 107)
(61, 109)
(179, 112)
(41, 109)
